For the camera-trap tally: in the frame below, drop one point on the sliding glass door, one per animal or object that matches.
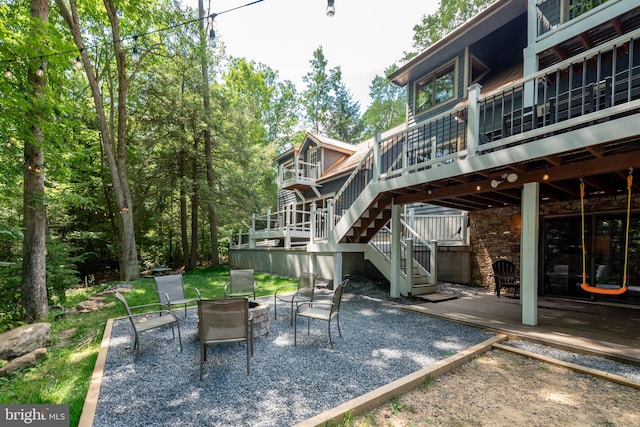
(604, 241)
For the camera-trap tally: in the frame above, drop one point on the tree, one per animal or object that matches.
(34, 283)
(113, 131)
(329, 106)
(208, 143)
(317, 97)
(344, 117)
(450, 15)
(388, 105)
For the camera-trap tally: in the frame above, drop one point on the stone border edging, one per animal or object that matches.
(91, 401)
(575, 367)
(386, 393)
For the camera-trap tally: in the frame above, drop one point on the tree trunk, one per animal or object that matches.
(195, 201)
(116, 155)
(182, 167)
(34, 278)
(208, 146)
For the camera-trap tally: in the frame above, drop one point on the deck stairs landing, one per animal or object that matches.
(421, 281)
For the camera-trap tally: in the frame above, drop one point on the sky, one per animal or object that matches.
(363, 38)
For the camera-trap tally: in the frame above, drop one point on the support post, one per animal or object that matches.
(395, 283)
(433, 261)
(337, 269)
(529, 253)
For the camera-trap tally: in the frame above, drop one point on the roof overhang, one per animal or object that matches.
(483, 24)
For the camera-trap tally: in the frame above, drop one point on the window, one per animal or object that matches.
(436, 89)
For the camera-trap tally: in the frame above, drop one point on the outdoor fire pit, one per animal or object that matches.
(260, 314)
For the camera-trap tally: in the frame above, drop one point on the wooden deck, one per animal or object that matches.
(609, 330)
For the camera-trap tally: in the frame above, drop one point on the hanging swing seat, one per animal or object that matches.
(605, 289)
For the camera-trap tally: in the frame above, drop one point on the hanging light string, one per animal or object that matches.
(78, 63)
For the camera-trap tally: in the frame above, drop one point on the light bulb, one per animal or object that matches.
(8, 74)
(331, 10)
(212, 38)
(40, 71)
(78, 63)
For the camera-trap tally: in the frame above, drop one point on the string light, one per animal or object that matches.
(212, 32)
(331, 9)
(40, 71)
(135, 53)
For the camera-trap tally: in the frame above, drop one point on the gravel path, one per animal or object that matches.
(381, 343)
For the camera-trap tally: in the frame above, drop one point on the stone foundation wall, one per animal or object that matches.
(495, 232)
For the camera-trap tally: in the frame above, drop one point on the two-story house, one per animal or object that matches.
(526, 117)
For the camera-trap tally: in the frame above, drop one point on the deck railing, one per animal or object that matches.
(572, 94)
(553, 13)
(595, 86)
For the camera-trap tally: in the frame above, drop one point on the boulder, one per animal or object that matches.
(91, 305)
(24, 361)
(23, 340)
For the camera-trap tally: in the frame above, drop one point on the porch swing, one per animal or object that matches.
(599, 289)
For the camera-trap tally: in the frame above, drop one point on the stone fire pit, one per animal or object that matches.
(260, 313)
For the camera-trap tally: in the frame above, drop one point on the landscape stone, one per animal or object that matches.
(24, 361)
(23, 340)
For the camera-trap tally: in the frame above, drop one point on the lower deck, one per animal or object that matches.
(609, 330)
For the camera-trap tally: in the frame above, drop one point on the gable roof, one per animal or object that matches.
(330, 143)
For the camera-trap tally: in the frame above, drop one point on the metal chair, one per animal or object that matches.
(149, 320)
(504, 274)
(241, 284)
(172, 291)
(222, 321)
(326, 311)
(303, 293)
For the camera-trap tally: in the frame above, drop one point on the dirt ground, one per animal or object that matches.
(504, 389)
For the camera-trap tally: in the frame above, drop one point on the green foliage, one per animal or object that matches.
(428, 381)
(64, 376)
(10, 312)
(330, 109)
(388, 105)
(61, 269)
(450, 15)
(396, 406)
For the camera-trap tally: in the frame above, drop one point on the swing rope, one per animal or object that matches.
(595, 289)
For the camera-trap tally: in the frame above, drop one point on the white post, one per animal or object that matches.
(412, 219)
(252, 241)
(529, 253)
(409, 266)
(313, 223)
(433, 260)
(464, 234)
(376, 157)
(337, 269)
(330, 216)
(395, 252)
(473, 120)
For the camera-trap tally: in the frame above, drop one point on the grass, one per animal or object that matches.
(64, 376)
